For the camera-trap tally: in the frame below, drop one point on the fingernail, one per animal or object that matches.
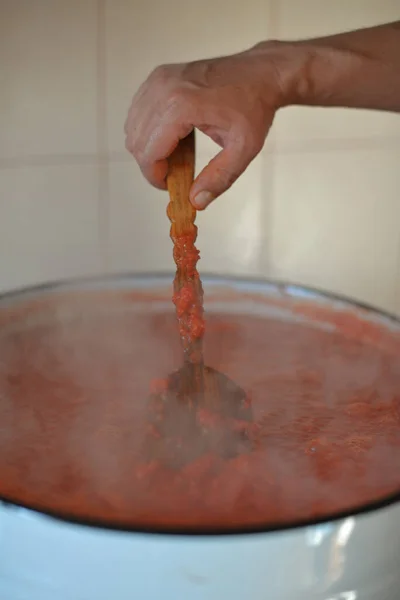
(203, 199)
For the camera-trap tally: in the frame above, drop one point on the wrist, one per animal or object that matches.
(358, 69)
(297, 64)
(315, 72)
(286, 69)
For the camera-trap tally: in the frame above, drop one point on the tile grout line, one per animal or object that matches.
(102, 136)
(289, 147)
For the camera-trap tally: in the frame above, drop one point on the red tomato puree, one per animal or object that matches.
(74, 386)
(188, 292)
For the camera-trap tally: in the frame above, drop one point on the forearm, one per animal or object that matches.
(359, 69)
(233, 99)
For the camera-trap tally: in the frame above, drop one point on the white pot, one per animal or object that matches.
(356, 558)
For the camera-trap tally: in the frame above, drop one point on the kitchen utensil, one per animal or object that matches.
(200, 410)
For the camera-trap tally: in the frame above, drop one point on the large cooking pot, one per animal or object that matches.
(49, 553)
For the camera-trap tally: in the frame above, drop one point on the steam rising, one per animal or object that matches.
(75, 413)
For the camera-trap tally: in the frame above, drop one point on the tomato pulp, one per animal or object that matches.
(74, 376)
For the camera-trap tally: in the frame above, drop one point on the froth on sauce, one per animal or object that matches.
(75, 374)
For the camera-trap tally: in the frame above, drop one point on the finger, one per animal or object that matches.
(160, 145)
(164, 138)
(222, 171)
(156, 173)
(137, 124)
(137, 104)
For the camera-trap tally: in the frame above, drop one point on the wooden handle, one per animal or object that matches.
(188, 291)
(179, 180)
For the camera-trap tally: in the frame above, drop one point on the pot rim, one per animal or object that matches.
(280, 286)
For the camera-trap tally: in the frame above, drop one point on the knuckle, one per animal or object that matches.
(161, 73)
(177, 98)
(129, 145)
(127, 126)
(138, 155)
(134, 148)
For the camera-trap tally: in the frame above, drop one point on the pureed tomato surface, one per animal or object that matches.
(75, 372)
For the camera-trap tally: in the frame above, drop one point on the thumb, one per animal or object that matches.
(222, 172)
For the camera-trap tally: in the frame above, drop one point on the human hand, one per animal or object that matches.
(231, 99)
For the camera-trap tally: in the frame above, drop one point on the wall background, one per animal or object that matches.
(320, 205)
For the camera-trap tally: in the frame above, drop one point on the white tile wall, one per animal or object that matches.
(138, 224)
(336, 222)
(323, 17)
(47, 78)
(233, 230)
(298, 126)
(48, 224)
(318, 206)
